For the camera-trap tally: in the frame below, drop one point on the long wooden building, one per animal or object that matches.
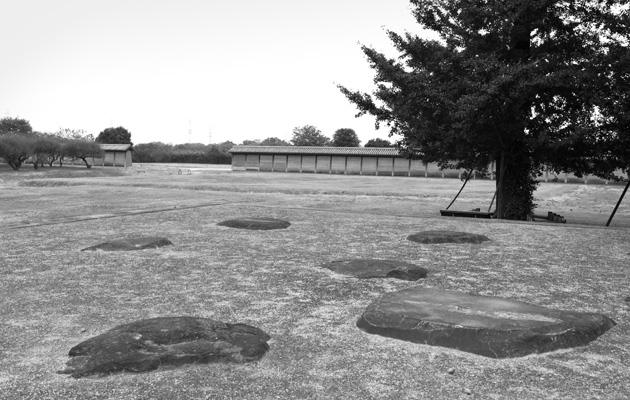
(332, 160)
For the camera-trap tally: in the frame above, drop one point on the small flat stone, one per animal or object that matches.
(146, 344)
(428, 237)
(370, 268)
(489, 326)
(139, 243)
(256, 224)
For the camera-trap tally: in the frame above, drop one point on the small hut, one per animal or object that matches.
(116, 155)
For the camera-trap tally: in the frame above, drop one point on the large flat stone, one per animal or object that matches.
(428, 237)
(146, 344)
(484, 325)
(256, 224)
(371, 268)
(138, 243)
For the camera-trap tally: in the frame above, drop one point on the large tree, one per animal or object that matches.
(309, 135)
(378, 142)
(83, 149)
(15, 125)
(345, 137)
(514, 81)
(16, 148)
(118, 135)
(274, 141)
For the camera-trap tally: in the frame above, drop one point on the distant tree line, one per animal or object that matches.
(309, 135)
(19, 143)
(195, 153)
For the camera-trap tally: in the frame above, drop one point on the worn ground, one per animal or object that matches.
(54, 296)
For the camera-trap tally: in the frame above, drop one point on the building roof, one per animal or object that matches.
(115, 147)
(316, 150)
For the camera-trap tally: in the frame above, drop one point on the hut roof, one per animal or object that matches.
(316, 150)
(115, 147)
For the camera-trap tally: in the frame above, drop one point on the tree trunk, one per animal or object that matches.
(86, 162)
(515, 187)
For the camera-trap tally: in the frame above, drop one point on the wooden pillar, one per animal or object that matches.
(345, 168)
(330, 165)
(301, 159)
(316, 163)
(273, 159)
(393, 165)
(409, 168)
(376, 165)
(286, 165)
(361, 166)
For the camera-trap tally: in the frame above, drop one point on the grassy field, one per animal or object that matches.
(54, 296)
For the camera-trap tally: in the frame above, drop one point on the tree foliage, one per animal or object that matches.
(67, 134)
(309, 135)
(516, 81)
(15, 125)
(274, 141)
(16, 148)
(345, 137)
(48, 149)
(117, 135)
(83, 149)
(377, 142)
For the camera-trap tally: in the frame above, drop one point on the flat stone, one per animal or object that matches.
(446, 237)
(146, 344)
(139, 243)
(256, 224)
(370, 268)
(489, 326)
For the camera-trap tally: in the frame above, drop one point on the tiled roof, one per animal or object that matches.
(341, 151)
(115, 147)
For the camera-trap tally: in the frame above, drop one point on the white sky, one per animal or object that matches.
(247, 69)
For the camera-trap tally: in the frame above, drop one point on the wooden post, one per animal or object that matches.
(273, 159)
(301, 159)
(361, 166)
(316, 163)
(345, 168)
(618, 202)
(393, 165)
(286, 165)
(409, 168)
(376, 165)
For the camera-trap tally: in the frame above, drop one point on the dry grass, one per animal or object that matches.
(55, 296)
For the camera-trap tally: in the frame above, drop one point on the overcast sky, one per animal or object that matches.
(229, 70)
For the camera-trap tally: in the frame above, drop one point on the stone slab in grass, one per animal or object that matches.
(139, 243)
(488, 326)
(371, 268)
(146, 344)
(428, 237)
(256, 224)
